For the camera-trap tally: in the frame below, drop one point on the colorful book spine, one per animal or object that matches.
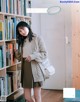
(6, 6)
(1, 30)
(1, 57)
(9, 54)
(12, 81)
(25, 6)
(0, 6)
(2, 83)
(14, 34)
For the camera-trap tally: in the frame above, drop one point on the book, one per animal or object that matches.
(8, 20)
(1, 30)
(12, 81)
(1, 57)
(0, 6)
(18, 78)
(9, 54)
(2, 83)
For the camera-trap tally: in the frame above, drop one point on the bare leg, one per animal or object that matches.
(37, 94)
(27, 95)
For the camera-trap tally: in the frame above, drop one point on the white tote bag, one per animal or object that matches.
(47, 68)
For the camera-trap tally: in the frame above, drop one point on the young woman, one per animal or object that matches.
(33, 52)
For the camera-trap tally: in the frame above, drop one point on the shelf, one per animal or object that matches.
(2, 99)
(14, 92)
(15, 15)
(10, 40)
(11, 69)
(5, 96)
(13, 64)
(10, 66)
(2, 41)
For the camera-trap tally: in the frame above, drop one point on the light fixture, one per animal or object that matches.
(53, 10)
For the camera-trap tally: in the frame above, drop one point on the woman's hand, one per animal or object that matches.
(28, 58)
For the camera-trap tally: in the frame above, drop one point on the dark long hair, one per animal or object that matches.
(19, 37)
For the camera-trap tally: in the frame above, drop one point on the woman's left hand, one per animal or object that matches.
(28, 58)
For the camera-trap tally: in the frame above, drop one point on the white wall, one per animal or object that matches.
(36, 26)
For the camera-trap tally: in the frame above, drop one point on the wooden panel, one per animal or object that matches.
(76, 46)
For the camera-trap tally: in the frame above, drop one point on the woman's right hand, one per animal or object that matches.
(28, 58)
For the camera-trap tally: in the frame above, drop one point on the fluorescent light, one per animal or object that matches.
(36, 10)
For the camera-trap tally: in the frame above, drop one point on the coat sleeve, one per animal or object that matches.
(40, 54)
(17, 55)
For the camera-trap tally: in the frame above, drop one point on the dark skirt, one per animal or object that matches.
(27, 80)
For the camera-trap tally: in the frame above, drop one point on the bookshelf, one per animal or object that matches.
(11, 12)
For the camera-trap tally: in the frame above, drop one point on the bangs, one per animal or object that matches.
(21, 27)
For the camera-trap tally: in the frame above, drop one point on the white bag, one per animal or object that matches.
(47, 68)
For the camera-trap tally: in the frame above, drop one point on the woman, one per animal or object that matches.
(33, 52)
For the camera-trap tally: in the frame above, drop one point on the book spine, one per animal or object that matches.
(1, 30)
(1, 57)
(25, 7)
(0, 6)
(14, 21)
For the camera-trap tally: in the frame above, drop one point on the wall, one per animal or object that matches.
(36, 27)
(67, 29)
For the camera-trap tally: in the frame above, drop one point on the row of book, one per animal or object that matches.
(2, 60)
(10, 83)
(15, 6)
(7, 54)
(8, 27)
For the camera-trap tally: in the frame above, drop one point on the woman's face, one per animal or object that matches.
(23, 31)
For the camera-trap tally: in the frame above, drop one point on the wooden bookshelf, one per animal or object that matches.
(10, 68)
(15, 15)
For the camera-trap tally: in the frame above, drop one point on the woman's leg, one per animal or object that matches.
(37, 94)
(27, 95)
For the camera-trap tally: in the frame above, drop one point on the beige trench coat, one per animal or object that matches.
(39, 53)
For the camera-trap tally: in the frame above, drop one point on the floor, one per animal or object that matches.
(52, 96)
